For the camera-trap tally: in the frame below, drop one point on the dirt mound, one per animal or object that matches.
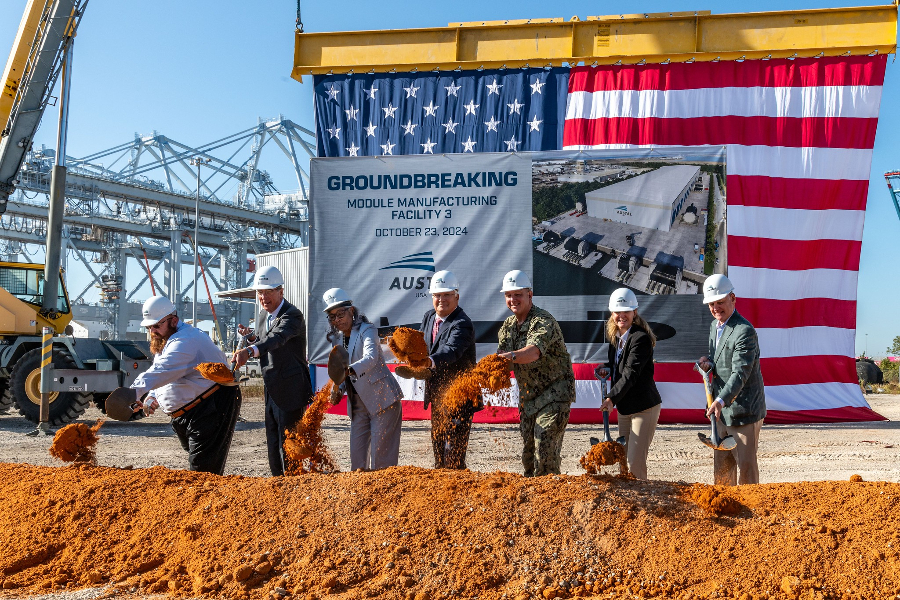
(410, 533)
(305, 447)
(408, 345)
(605, 454)
(715, 500)
(217, 372)
(75, 443)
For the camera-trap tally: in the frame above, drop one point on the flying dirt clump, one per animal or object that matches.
(490, 374)
(713, 499)
(215, 372)
(605, 454)
(409, 346)
(305, 447)
(75, 443)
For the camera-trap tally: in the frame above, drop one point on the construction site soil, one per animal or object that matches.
(412, 533)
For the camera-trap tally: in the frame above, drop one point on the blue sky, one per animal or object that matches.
(197, 70)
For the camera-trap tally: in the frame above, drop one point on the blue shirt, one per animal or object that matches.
(172, 376)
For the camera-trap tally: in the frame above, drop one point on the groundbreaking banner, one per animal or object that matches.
(383, 226)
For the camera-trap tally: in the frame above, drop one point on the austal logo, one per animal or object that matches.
(422, 261)
(623, 210)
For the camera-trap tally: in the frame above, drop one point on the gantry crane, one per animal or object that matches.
(893, 181)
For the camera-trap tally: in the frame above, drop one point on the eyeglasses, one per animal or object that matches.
(338, 314)
(159, 323)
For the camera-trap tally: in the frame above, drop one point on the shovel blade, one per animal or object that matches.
(724, 445)
(338, 362)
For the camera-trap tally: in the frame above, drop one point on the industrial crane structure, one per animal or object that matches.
(893, 182)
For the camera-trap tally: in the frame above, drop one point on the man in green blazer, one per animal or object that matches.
(737, 383)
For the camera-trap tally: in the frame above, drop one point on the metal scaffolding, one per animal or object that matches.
(135, 198)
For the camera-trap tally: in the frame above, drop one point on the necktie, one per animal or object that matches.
(434, 330)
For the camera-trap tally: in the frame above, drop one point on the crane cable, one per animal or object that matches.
(299, 19)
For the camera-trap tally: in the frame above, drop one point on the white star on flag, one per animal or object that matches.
(334, 132)
(428, 147)
(452, 89)
(470, 107)
(534, 125)
(511, 144)
(351, 114)
(389, 111)
(493, 88)
(409, 128)
(353, 149)
(411, 90)
(450, 126)
(536, 87)
(371, 91)
(431, 109)
(469, 145)
(388, 148)
(333, 92)
(492, 124)
(370, 130)
(515, 107)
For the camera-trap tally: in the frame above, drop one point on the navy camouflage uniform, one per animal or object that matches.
(546, 388)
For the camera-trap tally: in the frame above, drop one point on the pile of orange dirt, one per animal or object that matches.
(491, 374)
(75, 443)
(604, 454)
(412, 534)
(408, 345)
(215, 372)
(305, 447)
(715, 500)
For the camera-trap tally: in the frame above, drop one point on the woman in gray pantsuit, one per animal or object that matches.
(373, 395)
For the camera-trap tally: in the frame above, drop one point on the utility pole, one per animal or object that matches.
(197, 162)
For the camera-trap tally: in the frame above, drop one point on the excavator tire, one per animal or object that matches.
(6, 398)
(24, 386)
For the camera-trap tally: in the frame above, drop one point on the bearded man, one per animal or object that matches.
(203, 413)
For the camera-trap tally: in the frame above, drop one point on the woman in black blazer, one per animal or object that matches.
(633, 391)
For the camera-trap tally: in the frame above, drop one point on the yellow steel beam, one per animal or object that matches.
(18, 56)
(652, 37)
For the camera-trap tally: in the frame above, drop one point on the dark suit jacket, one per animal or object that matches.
(737, 378)
(453, 351)
(633, 388)
(282, 358)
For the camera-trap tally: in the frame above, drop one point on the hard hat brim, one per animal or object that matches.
(338, 305)
(716, 298)
(149, 322)
(514, 289)
(267, 287)
(623, 308)
(442, 290)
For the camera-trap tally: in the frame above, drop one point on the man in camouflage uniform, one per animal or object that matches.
(532, 340)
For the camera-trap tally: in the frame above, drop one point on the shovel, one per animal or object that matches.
(713, 440)
(604, 390)
(338, 363)
(121, 404)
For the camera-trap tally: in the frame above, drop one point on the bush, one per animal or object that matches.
(891, 371)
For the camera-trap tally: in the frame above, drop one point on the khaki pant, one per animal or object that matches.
(638, 430)
(747, 440)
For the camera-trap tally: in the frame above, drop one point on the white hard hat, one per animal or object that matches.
(443, 281)
(716, 287)
(334, 298)
(268, 278)
(516, 280)
(156, 309)
(622, 300)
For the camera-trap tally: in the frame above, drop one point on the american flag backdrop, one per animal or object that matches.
(799, 136)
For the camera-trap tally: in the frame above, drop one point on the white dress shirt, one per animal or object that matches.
(254, 351)
(172, 376)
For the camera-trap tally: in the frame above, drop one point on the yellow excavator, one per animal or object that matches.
(82, 369)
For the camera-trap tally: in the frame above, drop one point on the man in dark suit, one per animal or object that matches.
(737, 382)
(450, 337)
(279, 342)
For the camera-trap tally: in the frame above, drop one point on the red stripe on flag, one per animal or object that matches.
(806, 194)
(793, 255)
(799, 370)
(818, 132)
(800, 72)
(806, 312)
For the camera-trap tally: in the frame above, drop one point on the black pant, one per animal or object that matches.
(205, 431)
(277, 421)
(450, 436)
